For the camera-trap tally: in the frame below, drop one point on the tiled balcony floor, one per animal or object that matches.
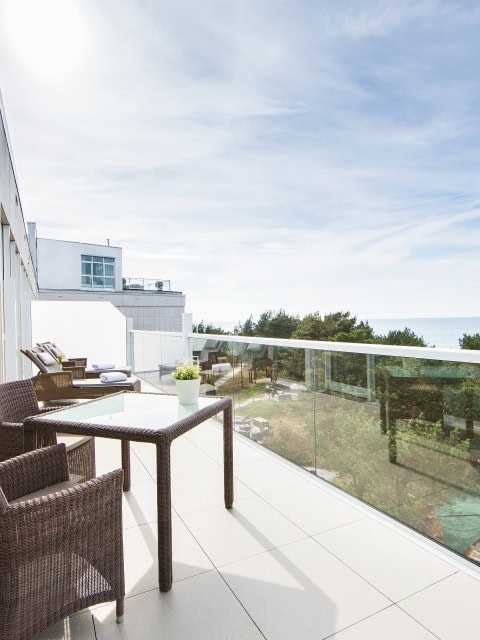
(293, 559)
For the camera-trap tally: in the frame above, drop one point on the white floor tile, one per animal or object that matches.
(266, 475)
(78, 626)
(389, 561)
(186, 459)
(208, 437)
(203, 490)
(141, 556)
(450, 608)
(201, 608)
(312, 508)
(140, 504)
(108, 457)
(301, 591)
(251, 527)
(391, 624)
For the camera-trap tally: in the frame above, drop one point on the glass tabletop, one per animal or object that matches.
(142, 410)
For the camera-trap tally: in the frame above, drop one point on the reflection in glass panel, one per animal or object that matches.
(401, 434)
(408, 443)
(97, 269)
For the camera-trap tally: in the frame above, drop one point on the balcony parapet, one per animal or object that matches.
(145, 284)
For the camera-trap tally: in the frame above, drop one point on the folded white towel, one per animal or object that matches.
(104, 365)
(218, 368)
(114, 376)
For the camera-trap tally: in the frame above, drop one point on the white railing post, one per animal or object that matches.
(187, 327)
(130, 349)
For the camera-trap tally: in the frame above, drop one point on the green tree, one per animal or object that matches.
(245, 329)
(332, 325)
(470, 341)
(208, 327)
(405, 338)
(363, 333)
(278, 324)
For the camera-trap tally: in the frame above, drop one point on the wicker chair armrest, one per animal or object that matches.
(33, 471)
(10, 426)
(77, 519)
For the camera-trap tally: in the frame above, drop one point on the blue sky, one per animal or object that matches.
(259, 154)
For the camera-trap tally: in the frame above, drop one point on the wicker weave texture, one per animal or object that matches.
(18, 402)
(58, 554)
(163, 439)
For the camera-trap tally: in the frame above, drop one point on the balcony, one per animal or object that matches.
(395, 427)
(295, 558)
(302, 554)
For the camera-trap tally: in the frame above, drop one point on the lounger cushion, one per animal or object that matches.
(46, 358)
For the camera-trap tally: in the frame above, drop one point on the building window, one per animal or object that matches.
(98, 272)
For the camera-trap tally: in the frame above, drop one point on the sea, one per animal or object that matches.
(437, 332)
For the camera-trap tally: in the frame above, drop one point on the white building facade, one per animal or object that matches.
(18, 285)
(76, 271)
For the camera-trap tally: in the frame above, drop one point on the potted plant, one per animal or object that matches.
(187, 380)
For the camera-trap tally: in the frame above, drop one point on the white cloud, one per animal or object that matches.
(261, 154)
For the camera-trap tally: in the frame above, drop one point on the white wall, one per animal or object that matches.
(60, 263)
(96, 330)
(17, 275)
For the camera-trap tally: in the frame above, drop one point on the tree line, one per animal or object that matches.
(339, 326)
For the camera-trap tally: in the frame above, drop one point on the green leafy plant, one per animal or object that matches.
(186, 371)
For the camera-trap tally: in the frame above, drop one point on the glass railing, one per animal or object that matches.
(155, 354)
(144, 284)
(396, 427)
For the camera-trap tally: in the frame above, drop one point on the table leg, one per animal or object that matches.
(29, 438)
(164, 516)
(126, 464)
(228, 456)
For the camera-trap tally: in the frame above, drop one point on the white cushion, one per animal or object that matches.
(46, 358)
(68, 484)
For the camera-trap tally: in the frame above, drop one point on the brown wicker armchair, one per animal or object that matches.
(61, 547)
(17, 402)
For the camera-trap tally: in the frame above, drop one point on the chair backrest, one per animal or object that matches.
(43, 360)
(52, 349)
(17, 401)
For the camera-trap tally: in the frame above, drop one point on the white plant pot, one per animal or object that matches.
(188, 391)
